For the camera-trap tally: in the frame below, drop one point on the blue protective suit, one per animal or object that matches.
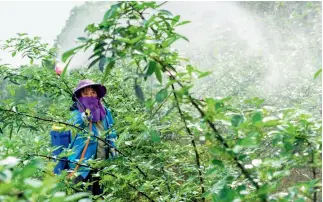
(80, 139)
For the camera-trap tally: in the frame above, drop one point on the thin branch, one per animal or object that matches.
(197, 157)
(160, 106)
(217, 135)
(212, 126)
(31, 78)
(59, 159)
(108, 173)
(42, 119)
(167, 182)
(162, 4)
(131, 161)
(132, 186)
(79, 128)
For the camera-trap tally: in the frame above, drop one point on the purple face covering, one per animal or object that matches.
(94, 104)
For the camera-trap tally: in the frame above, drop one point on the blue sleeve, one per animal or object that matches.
(77, 119)
(109, 117)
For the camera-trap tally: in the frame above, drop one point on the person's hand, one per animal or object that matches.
(88, 112)
(86, 118)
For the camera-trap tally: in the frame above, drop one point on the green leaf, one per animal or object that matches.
(158, 74)
(165, 12)
(257, 117)
(94, 62)
(13, 54)
(22, 34)
(11, 130)
(189, 69)
(151, 67)
(149, 103)
(317, 73)
(69, 53)
(126, 40)
(255, 101)
(150, 20)
(6, 188)
(98, 53)
(226, 194)
(183, 37)
(82, 38)
(108, 69)
(236, 120)
(217, 162)
(138, 38)
(169, 41)
(139, 92)
(102, 62)
(183, 23)
(176, 19)
(110, 13)
(154, 136)
(203, 74)
(161, 95)
(249, 141)
(270, 121)
(65, 68)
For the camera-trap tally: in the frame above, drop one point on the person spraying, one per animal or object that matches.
(89, 113)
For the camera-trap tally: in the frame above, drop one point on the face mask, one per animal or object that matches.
(95, 106)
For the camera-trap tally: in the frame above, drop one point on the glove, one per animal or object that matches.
(86, 116)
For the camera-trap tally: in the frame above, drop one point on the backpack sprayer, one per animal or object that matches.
(63, 138)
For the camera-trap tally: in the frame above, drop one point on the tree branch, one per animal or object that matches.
(108, 173)
(212, 126)
(197, 157)
(79, 128)
(42, 119)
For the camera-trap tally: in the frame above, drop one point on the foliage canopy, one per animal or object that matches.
(172, 145)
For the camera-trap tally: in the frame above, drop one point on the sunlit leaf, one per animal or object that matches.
(158, 74)
(317, 73)
(256, 117)
(151, 68)
(110, 13)
(183, 23)
(65, 68)
(69, 53)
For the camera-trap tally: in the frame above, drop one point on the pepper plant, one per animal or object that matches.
(141, 34)
(172, 146)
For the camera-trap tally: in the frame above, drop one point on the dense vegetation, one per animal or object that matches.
(173, 145)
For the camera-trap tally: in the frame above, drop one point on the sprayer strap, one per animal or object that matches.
(83, 152)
